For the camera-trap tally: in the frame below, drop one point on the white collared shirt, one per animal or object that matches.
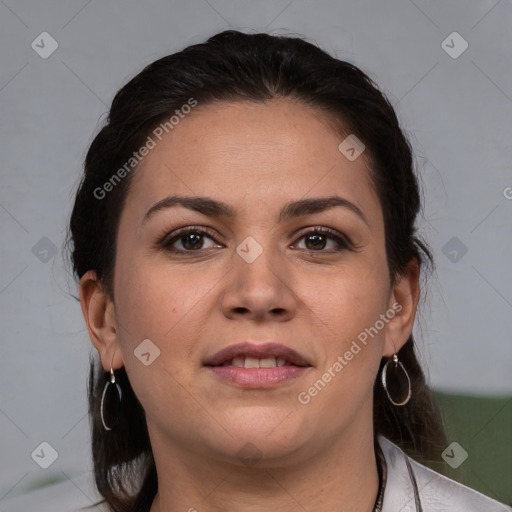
(410, 487)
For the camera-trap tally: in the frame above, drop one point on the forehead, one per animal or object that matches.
(280, 148)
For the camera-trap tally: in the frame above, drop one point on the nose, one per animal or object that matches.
(259, 290)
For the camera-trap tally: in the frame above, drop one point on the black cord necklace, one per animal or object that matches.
(382, 470)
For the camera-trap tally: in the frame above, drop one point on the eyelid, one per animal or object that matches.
(176, 234)
(339, 238)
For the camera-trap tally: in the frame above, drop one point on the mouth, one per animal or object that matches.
(257, 365)
(254, 362)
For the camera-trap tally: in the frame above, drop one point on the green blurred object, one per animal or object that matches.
(483, 427)
(43, 482)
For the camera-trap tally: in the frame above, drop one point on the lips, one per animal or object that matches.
(263, 355)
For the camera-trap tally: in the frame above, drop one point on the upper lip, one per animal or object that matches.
(258, 351)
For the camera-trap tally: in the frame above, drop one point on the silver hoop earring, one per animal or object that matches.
(111, 388)
(397, 384)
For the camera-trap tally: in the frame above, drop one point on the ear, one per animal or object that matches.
(403, 301)
(99, 315)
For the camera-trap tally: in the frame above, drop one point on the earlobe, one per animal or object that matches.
(404, 300)
(99, 315)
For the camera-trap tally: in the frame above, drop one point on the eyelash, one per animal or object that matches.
(166, 243)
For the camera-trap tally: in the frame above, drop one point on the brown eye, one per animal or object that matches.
(191, 240)
(315, 241)
(318, 239)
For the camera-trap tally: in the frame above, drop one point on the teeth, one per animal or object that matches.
(269, 362)
(252, 362)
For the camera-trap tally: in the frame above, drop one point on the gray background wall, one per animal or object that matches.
(457, 112)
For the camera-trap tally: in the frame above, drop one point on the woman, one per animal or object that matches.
(244, 236)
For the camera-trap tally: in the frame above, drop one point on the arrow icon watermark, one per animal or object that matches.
(44, 455)
(249, 249)
(351, 147)
(146, 352)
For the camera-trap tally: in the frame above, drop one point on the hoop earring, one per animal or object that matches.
(396, 387)
(114, 386)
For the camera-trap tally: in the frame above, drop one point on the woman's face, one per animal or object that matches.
(258, 276)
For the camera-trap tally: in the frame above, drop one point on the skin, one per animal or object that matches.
(255, 157)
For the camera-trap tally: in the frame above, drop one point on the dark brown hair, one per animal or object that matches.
(232, 66)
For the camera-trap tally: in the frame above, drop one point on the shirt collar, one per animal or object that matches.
(401, 490)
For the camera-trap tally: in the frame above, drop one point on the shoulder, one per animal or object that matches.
(409, 482)
(74, 494)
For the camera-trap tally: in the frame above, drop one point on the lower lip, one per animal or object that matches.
(258, 377)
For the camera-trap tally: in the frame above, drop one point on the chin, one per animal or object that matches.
(261, 435)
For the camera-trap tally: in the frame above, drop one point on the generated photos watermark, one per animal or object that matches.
(305, 397)
(151, 143)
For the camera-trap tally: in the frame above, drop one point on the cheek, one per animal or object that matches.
(155, 301)
(163, 307)
(171, 308)
(352, 335)
(349, 300)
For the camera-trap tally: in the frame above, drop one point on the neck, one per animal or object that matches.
(342, 475)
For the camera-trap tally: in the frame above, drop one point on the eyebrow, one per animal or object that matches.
(214, 208)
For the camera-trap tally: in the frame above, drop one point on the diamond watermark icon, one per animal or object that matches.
(351, 147)
(454, 45)
(44, 250)
(146, 352)
(44, 455)
(44, 45)
(250, 454)
(454, 455)
(249, 249)
(454, 249)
